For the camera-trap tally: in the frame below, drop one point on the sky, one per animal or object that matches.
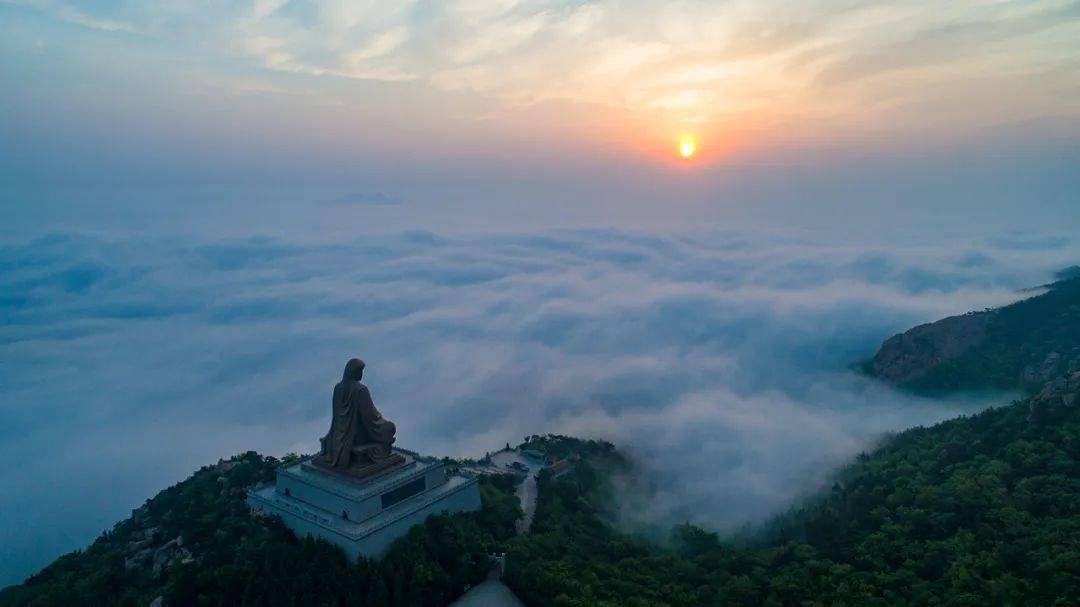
(209, 207)
(575, 107)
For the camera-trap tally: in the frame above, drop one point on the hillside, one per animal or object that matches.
(1017, 347)
(975, 511)
(196, 544)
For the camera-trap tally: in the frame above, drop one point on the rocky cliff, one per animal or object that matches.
(1017, 347)
(909, 356)
(1055, 397)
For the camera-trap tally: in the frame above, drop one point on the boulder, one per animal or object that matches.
(168, 553)
(1056, 395)
(1047, 370)
(157, 559)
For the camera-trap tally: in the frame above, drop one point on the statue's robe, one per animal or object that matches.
(357, 422)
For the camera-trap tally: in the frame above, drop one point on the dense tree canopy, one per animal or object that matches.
(981, 510)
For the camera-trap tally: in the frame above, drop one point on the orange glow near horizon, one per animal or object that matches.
(687, 146)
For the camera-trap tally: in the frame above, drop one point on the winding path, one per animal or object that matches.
(526, 490)
(492, 592)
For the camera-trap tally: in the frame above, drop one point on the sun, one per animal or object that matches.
(687, 146)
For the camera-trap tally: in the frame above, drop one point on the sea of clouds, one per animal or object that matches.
(719, 359)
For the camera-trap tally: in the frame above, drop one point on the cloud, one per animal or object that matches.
(719, 359)
(1022, 241)
(73, 13)
(677, 64)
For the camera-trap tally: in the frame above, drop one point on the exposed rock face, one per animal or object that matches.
(907, 356)
(1052, 366)
(1056, 395)
(144, 554)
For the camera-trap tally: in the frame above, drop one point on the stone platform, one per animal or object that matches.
(363, 517)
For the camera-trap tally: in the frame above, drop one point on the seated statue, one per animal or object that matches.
(360, 438)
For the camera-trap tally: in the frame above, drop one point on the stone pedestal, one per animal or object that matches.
(362, 466)
(365, 516)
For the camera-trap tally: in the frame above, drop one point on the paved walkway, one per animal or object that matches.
(491, 593)
(526, 491)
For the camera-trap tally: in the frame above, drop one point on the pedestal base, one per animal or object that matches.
(365, 516)
(363, 471)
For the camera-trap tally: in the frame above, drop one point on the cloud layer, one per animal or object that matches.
(719, 359)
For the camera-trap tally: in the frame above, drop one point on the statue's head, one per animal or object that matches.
(354, 370)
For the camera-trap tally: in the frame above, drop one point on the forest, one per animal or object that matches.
(973, 511)
(980, 510)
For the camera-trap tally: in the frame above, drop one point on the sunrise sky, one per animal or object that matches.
(561, 104)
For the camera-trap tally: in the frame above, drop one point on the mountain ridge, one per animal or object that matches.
(1020, 346)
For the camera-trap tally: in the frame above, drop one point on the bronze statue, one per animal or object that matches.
(360, 438)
